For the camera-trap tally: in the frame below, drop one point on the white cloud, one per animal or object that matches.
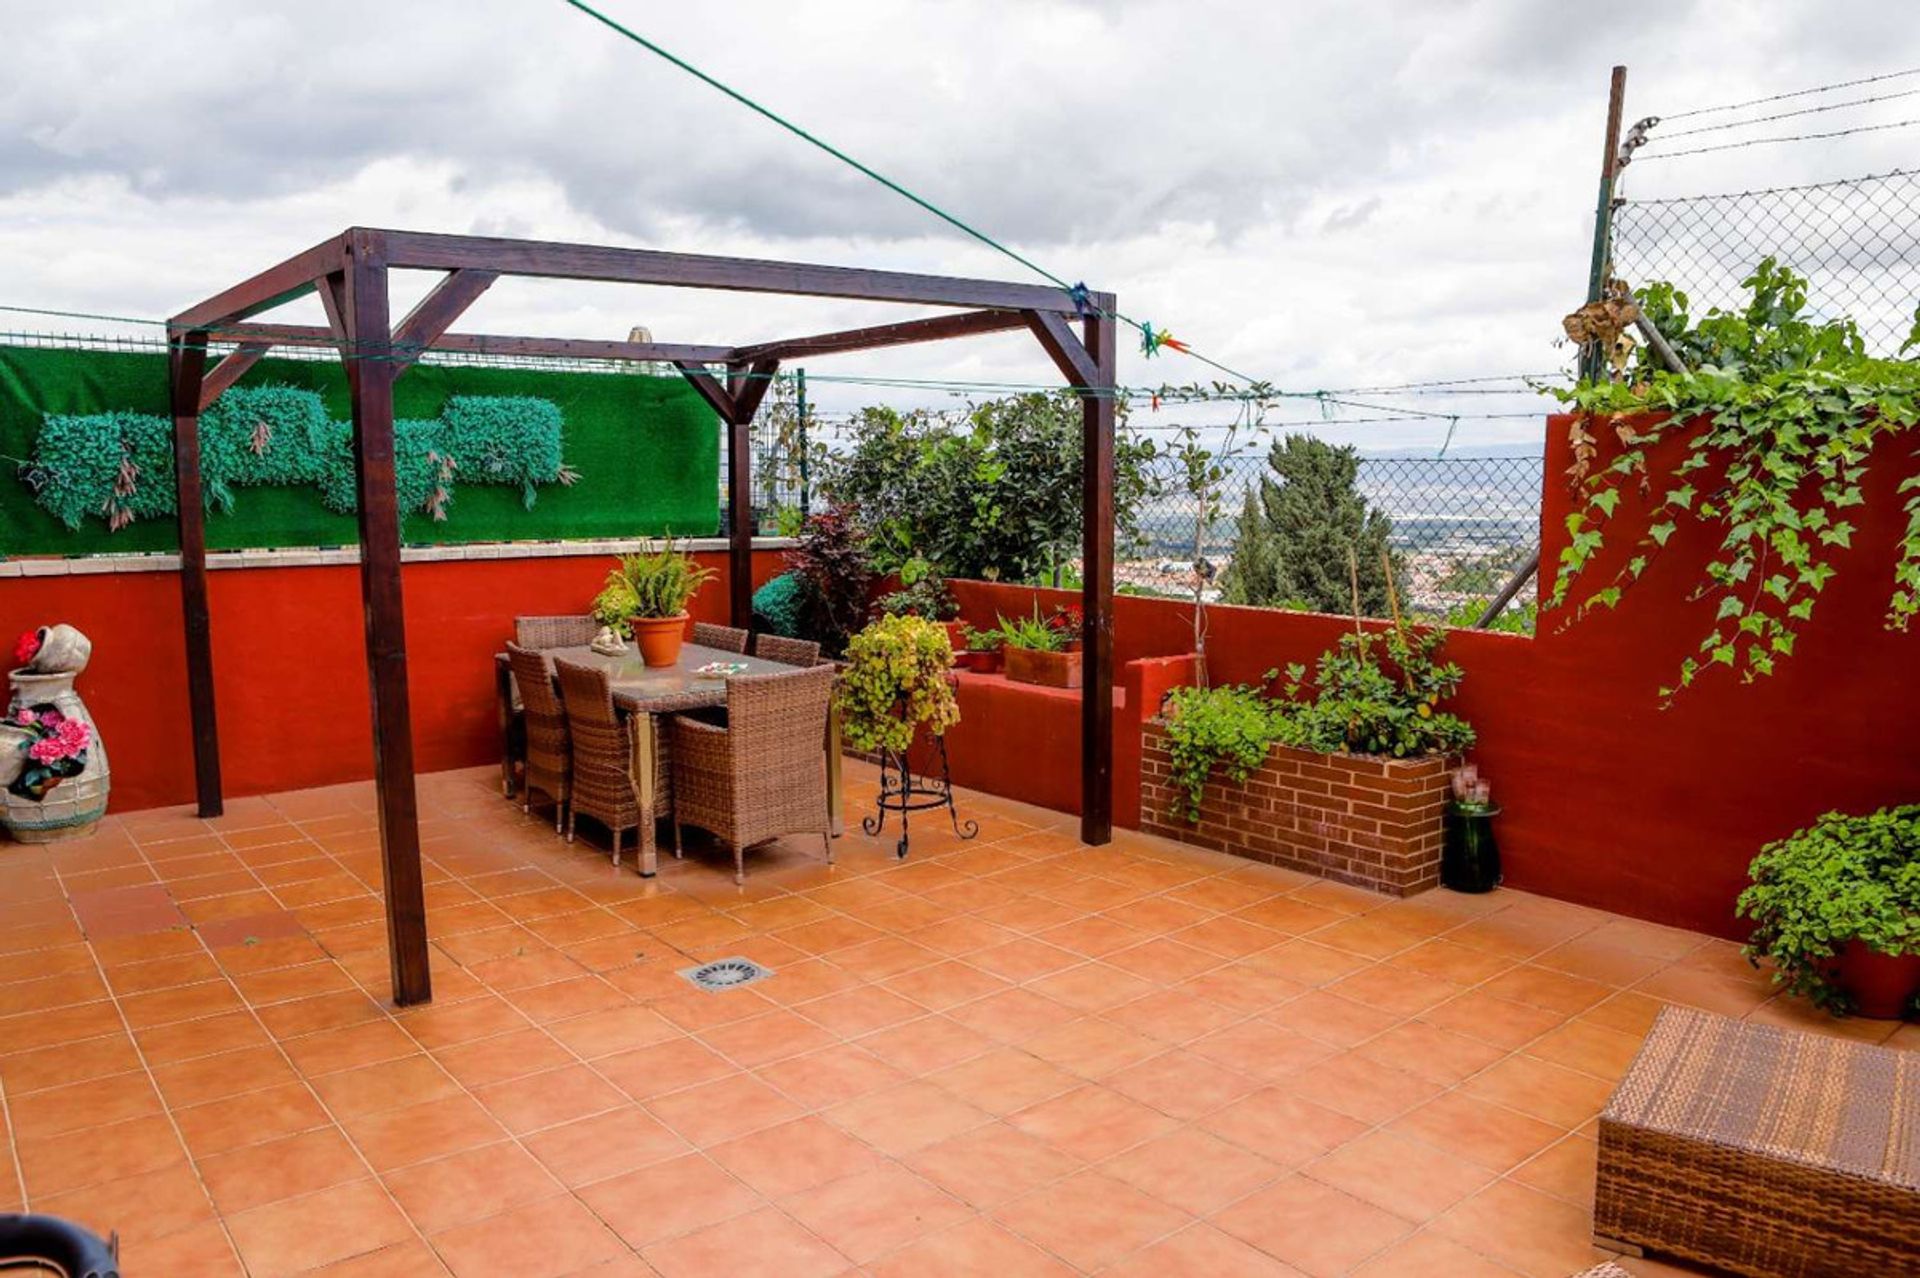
(1321, 193)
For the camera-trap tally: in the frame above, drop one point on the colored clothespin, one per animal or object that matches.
(1082, 301)
(1152, 339)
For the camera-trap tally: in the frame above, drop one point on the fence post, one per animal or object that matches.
(806, 489)
(1592, 358)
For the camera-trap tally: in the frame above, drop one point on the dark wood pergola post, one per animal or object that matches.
(371, 371)
(186, 375)
(350, 273)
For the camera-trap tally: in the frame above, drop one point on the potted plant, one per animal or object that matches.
(1036, 652)
(652, 589)
(1470, 856)
(896, 680)
(54, 779)
(1836, 909)
(980, 649)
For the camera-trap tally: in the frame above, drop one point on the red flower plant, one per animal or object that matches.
(26, 647)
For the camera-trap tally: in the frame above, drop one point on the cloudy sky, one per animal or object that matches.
(1323, 193)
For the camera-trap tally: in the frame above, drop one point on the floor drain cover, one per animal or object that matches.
(725, 974)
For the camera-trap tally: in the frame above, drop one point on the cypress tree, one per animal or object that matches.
(1296, 537)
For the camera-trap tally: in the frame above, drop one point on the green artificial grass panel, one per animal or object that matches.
(646, 449)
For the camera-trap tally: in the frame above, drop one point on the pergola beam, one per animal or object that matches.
(495, 344)
(229, 370)
(936, 329)
(1076, 364)
(414, 249)
(292, 278)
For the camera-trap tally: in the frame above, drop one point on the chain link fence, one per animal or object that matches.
(1856, 241)
(1460, 524)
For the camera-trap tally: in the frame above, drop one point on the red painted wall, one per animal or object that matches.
(290, 670)
(1610, 800)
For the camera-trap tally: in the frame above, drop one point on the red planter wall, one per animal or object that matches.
(1610, 800)
(290, 670)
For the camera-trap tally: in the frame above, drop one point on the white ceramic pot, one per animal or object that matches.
(73, 805)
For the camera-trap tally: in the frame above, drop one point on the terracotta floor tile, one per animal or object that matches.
(1430, 1052)
(868, 1215)
(927, 1044)
(546, 1100)
(819, 1080)
(289, 1167)
(668, 1066)
(1003, 1081)
(669, 1199)
(719, 1111)
(55, 1110)
(249, 1119)
(1281, 1127)
(1090, 1220)
(992, 1165)
(1182, 1084)
(1193, 1170)
(1411, 1179)
(901, 1119)
(1092, 1047)
(1092, 1122)
(1311, 1226)
(543, 1240)
(394, 1084)
(978, 1248)
(503, 1057)
(470, 1186)
(1427, 1254)
(202, 1250)
(166, 1044)
(410, 1259)
(1565, 1170)
(151, 1205)
(795, 1156)
(1491, 1135)
(1549, 1092)
(1172, 1016)
(1523, 1228)
(299, 1234)
(399, 1137)
(605, 1145)
(68, 1063)
(774, 1036)
(1261, 1049)
(1363, 1088)
(618, 1029)
(1499, 1021)
(764, 1244)
(1201, 1251)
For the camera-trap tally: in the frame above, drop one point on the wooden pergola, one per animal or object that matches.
(350, 273)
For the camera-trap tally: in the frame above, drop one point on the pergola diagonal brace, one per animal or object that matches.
(718, 397)
(1069, 354)
(229, 370)
(436, 313)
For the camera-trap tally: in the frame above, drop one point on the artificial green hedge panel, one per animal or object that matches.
(640, 454)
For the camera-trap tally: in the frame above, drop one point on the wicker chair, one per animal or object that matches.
(761, 776)
(789, 652)
(554, 632)
(725, 638)
(602, 788)
(548, 751)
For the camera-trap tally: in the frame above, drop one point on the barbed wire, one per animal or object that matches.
(1796, 93)
(1797, 137)
(1787, 115)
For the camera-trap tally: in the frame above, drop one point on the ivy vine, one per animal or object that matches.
(1780, 415)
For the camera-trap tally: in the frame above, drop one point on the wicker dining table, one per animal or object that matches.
(644, 693)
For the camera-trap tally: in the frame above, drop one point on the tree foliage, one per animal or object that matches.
(993, 493)
(1306, 531)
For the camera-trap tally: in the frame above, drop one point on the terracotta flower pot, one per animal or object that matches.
(1881, 984)
(660, 638)
(1048, 669)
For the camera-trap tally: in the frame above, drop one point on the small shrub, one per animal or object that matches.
(1378, 693)
(1843, 878)
(832, 558)
(657, 583)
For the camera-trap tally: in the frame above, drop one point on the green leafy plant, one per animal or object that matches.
(897, 679)
(990, 640)
(923, 593)
(1843, 878)
(657, 583)
(1778, 417)
(1230, 728)
(1035, 633)
(1378, 692)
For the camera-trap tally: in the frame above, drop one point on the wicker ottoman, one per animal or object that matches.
(1764, 1152)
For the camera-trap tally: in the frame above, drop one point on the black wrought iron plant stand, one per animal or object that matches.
(904, 791)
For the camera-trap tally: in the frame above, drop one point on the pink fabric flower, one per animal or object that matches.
(65, 742)
(25, 718)
(51, 718)
(26, 647)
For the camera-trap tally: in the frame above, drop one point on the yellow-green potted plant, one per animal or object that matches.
(650, 591)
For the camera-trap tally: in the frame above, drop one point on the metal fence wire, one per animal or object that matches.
(1461, 524)
(1856, 241)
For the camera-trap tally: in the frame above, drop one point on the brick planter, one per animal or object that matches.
(1374, 823)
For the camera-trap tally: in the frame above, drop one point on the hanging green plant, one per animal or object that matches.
(1779, 417)
(897, 679)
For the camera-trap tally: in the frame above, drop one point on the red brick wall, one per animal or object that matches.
(1374, 823)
